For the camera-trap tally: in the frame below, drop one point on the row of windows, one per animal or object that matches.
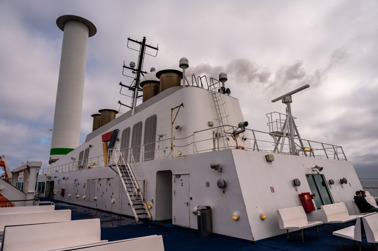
(136, 140)
(132, 153)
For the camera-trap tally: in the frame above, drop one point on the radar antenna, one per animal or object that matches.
(289, 129)
(139, 70)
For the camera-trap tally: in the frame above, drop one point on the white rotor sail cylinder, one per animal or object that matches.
(69, 98)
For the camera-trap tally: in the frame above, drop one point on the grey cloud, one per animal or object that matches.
(291, 72)
(241, 70)
(291, 75)
(294, 75)
(246, 71)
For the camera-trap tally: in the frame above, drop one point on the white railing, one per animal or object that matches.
(206, 141)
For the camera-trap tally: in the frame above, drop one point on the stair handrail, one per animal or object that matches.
(117, 156)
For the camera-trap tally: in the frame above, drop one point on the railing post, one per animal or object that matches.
(335, 155)
(312, 150)
(255, 140)
(325, 151)
(342, 150)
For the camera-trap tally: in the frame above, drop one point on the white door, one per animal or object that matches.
(181, 202)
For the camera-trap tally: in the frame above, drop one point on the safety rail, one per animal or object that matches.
(206, 141)
(15, 203)
(131, 186)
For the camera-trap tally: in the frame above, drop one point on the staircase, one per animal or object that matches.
(132, 189)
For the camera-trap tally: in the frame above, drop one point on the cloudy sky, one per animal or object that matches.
(267, 48)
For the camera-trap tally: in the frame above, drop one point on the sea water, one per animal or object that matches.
(370, 185)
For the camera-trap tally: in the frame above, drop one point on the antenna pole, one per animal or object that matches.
(139, 69)
(289, 128)
(140, 64)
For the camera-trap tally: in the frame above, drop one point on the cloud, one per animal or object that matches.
(290, 76)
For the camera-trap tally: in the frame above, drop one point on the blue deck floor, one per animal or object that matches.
(115, 227)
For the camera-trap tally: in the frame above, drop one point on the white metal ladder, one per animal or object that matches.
(222, 116)
(132, 188)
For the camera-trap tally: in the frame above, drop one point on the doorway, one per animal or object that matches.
(319, 187)
(163, 204)
(49, 190)
(181, 206)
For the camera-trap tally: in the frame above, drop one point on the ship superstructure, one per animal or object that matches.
(188, 145)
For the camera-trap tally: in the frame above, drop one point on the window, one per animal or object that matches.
(149, 138)
(20, 186)
(80, 161)
(86, 155)
(319, 187)
(125, 142)
(90, 190)
(136, 142)
(41, 187)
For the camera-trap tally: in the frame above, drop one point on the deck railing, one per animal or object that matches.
(208, 140)
(29, 202)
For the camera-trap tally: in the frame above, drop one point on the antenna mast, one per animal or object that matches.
(289, 128)
(139, 69)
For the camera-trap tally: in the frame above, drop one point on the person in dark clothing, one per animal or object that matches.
(364, 195)
(362, 204)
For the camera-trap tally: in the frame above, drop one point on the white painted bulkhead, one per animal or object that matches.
(199, 187)
(267, 186)
(254, 187)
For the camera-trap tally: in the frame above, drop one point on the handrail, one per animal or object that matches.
(12, 203)
(205, 141)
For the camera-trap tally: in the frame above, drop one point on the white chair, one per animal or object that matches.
(371, 228)
(34, 218)
(152, 242)
(26, 209)
(49, 236)
(337, 213)
(350, 233)
(295, 218)
(370, 199)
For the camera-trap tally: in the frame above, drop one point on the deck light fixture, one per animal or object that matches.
(343, 181)
(241, 128)
(296, 182)
(235, 216)
(215, 166)
(317, 169)
(262, 216)
(221, 183)
(269, 157)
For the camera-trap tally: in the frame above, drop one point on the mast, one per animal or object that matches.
(139, 69)
(289, 129)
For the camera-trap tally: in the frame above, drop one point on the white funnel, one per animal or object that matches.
(69, 98)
